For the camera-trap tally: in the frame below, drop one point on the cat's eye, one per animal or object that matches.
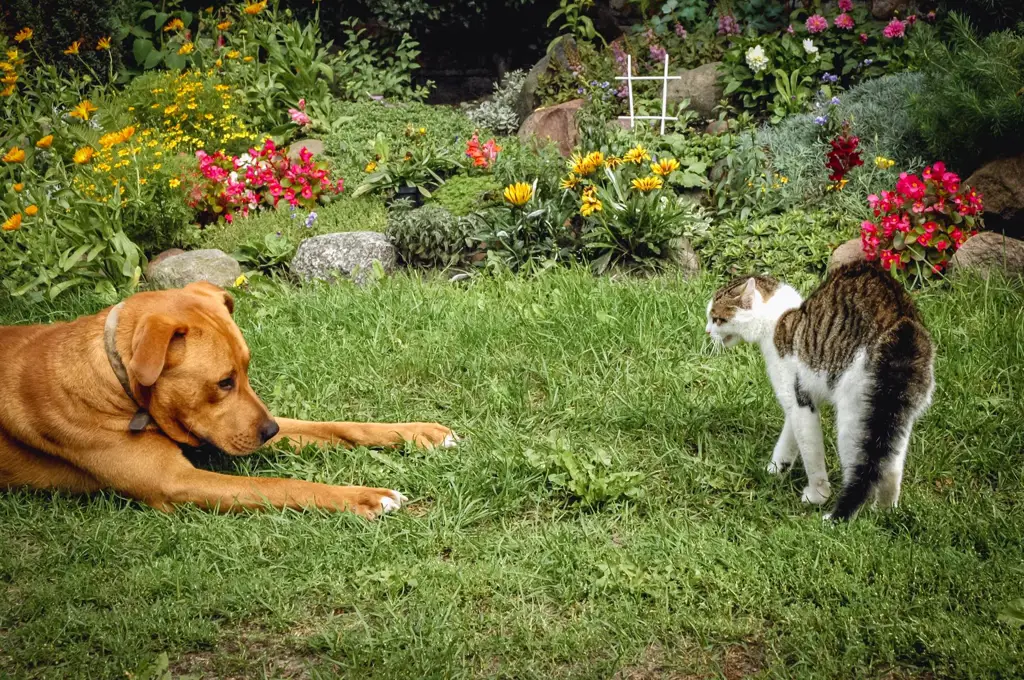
(717, 320)
(227, 383)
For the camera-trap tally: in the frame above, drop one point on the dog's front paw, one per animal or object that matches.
(430, 435)
(817, 492)
(372, 503)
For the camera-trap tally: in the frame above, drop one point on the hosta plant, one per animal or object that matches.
(919, 226)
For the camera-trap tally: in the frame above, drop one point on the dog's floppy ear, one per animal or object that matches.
(217, 291)
(153, 336)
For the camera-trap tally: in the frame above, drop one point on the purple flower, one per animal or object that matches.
(789, 29)
(727, 25)
(821, 120)
(868, 62)
(680, 31)
(834, 101)
(816, 24)
(658, 52)
(310, 219)
(829, 78)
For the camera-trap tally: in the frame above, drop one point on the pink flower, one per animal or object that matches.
(845, 5)
(890, 258)
(816, 23)
(910, 186)
(912, 19)
(895, 29)
(950, 182)
(305, 155)
(299, 117)
(789, 29)
(864, 38)
(302, 104)
(844, 21)
(658, 52)
(228, 218)
(680, 31)
(924, 239)
(942, 244)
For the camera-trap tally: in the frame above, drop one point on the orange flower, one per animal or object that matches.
(32, 210)
(255, 8)
(18, 187)
(103, 44)
(83, 155)
(45, 142)
(186, 48)
(83, 109)
(15, 155)
(8, 91)
(174, 25)
(13, 222)
(73, 47)
(224, 25)
(23, 35)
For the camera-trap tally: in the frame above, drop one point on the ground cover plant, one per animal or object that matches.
(702, 564)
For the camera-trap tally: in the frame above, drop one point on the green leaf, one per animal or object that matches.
(141, 49)
(153, 59)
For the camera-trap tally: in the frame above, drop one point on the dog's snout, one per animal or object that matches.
(268, 430)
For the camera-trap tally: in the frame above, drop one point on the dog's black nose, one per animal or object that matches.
(268, 430)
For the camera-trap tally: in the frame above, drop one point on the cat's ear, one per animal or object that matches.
(747, 296)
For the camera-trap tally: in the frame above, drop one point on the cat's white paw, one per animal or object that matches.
(816, 493)
(775, 468)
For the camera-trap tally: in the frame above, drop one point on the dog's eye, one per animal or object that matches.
(226, 383)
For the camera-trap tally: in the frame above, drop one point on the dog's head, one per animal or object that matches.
(190, 363)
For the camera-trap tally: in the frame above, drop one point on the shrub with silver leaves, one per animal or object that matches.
(498, 114)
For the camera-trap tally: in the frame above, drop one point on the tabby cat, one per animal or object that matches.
(857, 342)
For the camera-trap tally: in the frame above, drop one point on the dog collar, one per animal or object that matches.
(141, 418)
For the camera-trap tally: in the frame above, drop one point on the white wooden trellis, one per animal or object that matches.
(629, 78)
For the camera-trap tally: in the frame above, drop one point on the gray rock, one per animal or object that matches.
(314, 146)
(717, 127)
(175, 271)
(554, 123)
(887, 9)
(528, 99)
(682, 256)
(701, 86)
(848, 253)
(989, 251)
(1001, 184)
(344, 255)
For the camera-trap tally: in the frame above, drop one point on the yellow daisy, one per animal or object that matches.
(665, 167)
(518, 194)
(637, 154)
(645, 184)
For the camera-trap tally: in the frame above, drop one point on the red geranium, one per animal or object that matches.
(843, 156)
(920, 225)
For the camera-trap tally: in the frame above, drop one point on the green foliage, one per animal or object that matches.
(416, 163)
(498, 114)
(464, 194)
(583, 474)
(971, 107)
(540, 165)
(152, 46)
(430, 236)
(345, 213)
(794, 246)
(988, 15)
(268, 255)
(575, 21)
(351, 144)
(371, 68)
(529, 237)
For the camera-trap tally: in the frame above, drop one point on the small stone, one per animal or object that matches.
(717, 127)
(847, 253)
(554, 123)
(989, 251)
(348, 255)
(681, 254)
(180, 269)
(314, 146)
(702, 86)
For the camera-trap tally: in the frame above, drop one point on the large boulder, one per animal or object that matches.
(701, 86)
(887, 9)
(989, 251)
(1001, 185)
(528, 99)
(555, 123)
(847, 253)
(185, 267)
(344, 255)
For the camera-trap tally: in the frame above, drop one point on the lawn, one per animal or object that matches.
(712, 568)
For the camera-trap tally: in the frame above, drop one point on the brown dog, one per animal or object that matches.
(105, 401)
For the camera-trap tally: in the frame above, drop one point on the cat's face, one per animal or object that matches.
(734, 306)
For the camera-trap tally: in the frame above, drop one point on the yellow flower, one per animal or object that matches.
(245, 58)
(224, 25)
(174, 182)
(83, 155)
(613, 162)
(518, 194)
(646, 184)
(15, 155)
(32, 210)
(186, 48)
(240, 281)
(665, 167)
(590, 202)
(7, 91)
(142, 180)
(73, 47)
(174, 25)
(157, 166)
(637, 154)
(9, 79)
(83, 110)
(255, 8)
(6, 66)
(883, 163)
(570, 182)
(13, 222)
(12, 54)
(170, 109)
(585, 165)
(218, 63)
(18, 187)
(370, 167)
(783, 179)
(23, 35)
(233, 54)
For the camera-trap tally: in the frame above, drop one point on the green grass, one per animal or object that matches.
(365, 213)
(714, 570)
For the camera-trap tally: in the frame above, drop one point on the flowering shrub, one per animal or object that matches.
(229, 184)
(919, 226)
(843, 155)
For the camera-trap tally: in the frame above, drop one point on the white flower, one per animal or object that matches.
(810, 48)
(756, 59)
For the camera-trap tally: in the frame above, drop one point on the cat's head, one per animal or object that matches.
(733, 311)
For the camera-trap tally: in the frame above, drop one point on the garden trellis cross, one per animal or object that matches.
(629, 78)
